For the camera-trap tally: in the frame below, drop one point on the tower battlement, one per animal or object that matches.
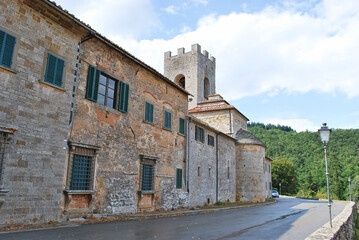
(195, 49)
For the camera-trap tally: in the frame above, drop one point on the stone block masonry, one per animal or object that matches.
(34, 160)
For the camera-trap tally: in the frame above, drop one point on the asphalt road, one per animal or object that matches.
(289, 218)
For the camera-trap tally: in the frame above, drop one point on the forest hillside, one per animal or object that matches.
(305, 151)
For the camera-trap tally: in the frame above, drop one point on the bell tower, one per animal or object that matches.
(193, 71)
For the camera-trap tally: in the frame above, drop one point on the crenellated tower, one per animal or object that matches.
(194, 71)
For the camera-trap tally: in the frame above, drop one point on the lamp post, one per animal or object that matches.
(350, 192)
(324, 132)
(280, 188)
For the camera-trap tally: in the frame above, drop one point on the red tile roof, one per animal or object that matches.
(214, 105)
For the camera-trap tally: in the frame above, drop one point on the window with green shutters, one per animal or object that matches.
(181, 126)
(7, 46)
(54, 70)
(168, 120)
(106, 90)
(149, 112)
(179, 178)
(199, 134)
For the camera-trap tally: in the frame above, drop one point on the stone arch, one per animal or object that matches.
(181, 80)
(206, 88)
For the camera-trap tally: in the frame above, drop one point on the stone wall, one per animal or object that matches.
(202, 168)
(250, 182)
(237, 121)
(268, 177)
(123, 137)
(219, 120)
(226, 169)
(39, 112)
(343, 225)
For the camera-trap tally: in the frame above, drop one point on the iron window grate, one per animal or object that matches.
(82, 169)
(147, 177)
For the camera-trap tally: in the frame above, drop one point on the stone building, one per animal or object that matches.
(206, 105)
(85, 127)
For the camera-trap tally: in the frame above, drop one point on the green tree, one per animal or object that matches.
(284, 172)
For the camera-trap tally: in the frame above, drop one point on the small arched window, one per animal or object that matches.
(206, 88)
(181, 80)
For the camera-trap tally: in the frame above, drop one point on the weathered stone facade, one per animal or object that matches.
(250, 180)
(85, 127)
(268, 176)
(122, 138)
(37, 113)
(250, 157)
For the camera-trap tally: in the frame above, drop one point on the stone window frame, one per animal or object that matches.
(81, 149)
(42, 80)
(3, 142)
(199, 134)
(12, 69)
(210, 140)
(5, 137)
(147, 160)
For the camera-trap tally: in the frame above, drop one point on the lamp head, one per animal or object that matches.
(324, 132)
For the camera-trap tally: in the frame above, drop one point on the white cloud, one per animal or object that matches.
(128, 18)
(302, 47)
(171, 9)
(275, 49)
(300, 125)
(203, 2)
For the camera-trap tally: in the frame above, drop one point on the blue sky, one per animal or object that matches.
(293, 63)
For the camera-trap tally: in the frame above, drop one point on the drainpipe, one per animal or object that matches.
(217, 158)
(188, 143)
(230, 122)
(76, 80)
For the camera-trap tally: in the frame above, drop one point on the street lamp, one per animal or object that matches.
(350, 192)
(280, 188)
(324, 132)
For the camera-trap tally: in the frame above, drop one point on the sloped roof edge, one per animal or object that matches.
(110, 43)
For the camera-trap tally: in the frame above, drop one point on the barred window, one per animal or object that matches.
(82, 169)
(3, 138)
(147, 174)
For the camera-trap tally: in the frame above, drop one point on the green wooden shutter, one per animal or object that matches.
(54, 70)
(50, 69)
(179, 178)
(2, 40)
(92, 83)
(149, 112)
(59, 72)
(123, 97)
(168, 119)
(7, 46)
(181, 126)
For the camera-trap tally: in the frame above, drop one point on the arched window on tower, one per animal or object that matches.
(206, 88)
(181, 80)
